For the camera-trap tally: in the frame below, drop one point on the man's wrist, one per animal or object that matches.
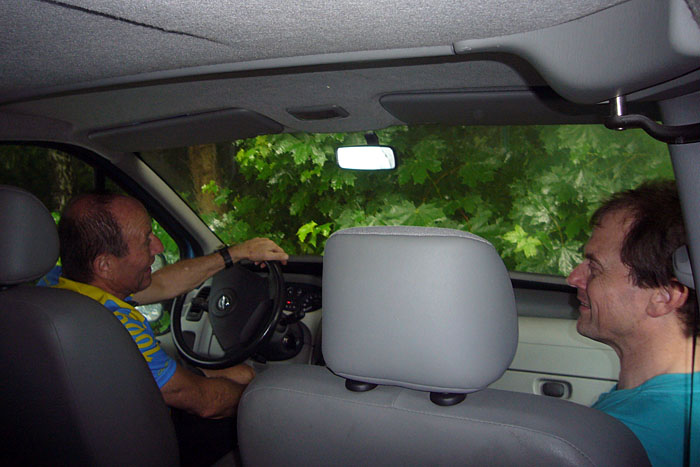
(228, 261)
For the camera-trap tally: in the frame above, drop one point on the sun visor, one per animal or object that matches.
(186, 130)
(616, 51)
(534, 106)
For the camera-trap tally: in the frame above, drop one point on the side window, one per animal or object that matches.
(55, 177)
(51, 175)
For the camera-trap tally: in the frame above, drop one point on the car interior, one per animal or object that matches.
(371, 351)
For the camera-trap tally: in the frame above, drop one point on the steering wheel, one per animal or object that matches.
(244, 309)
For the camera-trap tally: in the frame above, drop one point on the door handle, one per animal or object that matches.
(555, 388)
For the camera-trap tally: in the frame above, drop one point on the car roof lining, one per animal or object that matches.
(184, 34)
(356, 89)
(136, 63)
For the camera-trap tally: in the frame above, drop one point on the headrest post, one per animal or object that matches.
(446, 399)
(358, 386)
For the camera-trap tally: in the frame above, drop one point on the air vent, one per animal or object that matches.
(324, 112)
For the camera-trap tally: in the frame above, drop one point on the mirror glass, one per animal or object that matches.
(366, 157)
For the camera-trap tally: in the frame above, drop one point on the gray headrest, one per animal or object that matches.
(28, 237)
(681, 267)
(422, 308)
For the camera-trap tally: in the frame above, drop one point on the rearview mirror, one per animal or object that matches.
(366, 157)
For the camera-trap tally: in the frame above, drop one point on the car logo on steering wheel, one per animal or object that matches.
(223, 303)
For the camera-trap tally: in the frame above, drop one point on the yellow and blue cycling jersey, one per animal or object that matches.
(161, 365)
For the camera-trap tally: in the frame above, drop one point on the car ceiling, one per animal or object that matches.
(106, 73)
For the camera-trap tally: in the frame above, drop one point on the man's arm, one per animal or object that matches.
(242, 374)
(207, 397)
(181, 277)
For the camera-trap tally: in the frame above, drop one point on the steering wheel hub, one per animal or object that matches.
(225, 303)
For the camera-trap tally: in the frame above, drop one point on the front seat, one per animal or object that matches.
(417, 322)
(74, 388)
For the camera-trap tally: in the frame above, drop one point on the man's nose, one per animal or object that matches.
(576, 278)
(156, 246)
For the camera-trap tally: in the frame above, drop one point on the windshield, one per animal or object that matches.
(529, 190)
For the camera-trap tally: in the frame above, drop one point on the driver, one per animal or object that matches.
(107, 248)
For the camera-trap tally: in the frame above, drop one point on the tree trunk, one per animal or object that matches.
(63, 178)
(204, 169)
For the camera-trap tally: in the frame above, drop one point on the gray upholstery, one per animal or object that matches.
(303, 415)
(75, 389)
(417, 310)
(434, 299)
(28, 238)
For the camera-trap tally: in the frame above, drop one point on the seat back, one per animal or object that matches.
(75, 389)
(417, 323)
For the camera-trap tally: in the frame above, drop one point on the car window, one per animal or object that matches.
(530, 190)
(54, 177)
(51, 175)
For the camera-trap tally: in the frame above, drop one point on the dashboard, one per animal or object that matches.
(302, 298)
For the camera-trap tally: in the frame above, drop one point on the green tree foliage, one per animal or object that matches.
(528, 190)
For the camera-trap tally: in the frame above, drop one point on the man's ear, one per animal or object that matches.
(102, 266)
(668, 299)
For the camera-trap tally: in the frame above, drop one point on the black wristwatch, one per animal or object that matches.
(223, 251)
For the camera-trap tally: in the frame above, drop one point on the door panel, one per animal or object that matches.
(552, 357)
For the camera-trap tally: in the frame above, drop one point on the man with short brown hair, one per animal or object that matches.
(107, 248)
(631, 301)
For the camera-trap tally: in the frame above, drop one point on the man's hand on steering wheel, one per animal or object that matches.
(258, 250)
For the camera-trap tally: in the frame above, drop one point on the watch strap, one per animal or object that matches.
(226, 256)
